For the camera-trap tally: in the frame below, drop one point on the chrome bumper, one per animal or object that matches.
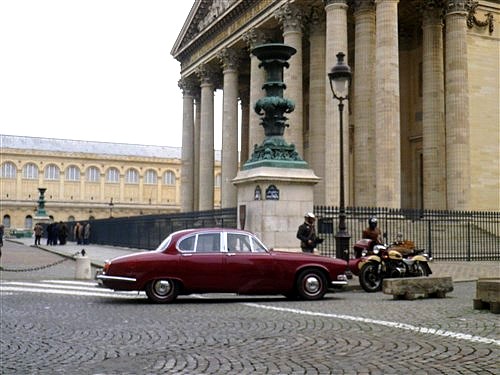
(100, 277)
(341, 281)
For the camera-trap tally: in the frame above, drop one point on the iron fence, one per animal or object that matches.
(147, 231)
(446, 235)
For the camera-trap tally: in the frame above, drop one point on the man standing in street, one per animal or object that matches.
(38, 233)
(307, 233)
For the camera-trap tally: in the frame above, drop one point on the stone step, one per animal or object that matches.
(418, 287)
(488, 295)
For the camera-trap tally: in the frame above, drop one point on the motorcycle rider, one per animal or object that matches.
(307, 233)
(372, 232)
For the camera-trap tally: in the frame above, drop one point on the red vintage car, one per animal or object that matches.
(222, 260)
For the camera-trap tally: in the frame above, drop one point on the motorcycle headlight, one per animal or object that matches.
(375, 251)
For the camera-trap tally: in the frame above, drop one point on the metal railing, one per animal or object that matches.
(446, 235)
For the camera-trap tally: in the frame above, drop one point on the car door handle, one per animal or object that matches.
(231, 254)
(187, 254)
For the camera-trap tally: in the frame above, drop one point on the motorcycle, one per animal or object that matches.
(375, 262)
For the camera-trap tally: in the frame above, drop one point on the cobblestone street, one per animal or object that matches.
(53, 324)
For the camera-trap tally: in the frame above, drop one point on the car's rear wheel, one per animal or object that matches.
(162, 290)
(311, 285)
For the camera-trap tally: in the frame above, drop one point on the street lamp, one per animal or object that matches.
(111, 204)
(340, 81)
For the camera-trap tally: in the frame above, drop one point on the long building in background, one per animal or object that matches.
(422, 124)
(87, 180)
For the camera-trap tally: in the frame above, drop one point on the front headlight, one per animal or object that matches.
(375, 251)
(106, 266)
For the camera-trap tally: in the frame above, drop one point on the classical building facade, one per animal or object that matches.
(86, 180)
(422, 123)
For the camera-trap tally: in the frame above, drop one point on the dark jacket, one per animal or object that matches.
(307, 236)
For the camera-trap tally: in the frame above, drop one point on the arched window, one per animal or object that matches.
(8, 170)
(113, 175)
(28, 222)
(30, 171)
(150, 177)
(71, 218)
(132, 176)
(6, 221)
(72, 173)
(93, 174)
(218, 179)
(169, 178)
(52, 172)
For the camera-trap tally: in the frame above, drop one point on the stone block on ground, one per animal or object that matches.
(488, 294)
(418, 287)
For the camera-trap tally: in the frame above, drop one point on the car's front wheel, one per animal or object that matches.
(311, 285)
(162, 290)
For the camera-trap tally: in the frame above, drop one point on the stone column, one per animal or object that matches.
(317, 87)
(187, 152)
(457, 107)
(364, 104)
(433, 130)
(197, 122)
(245, 114)
(230, 60)
(387, 116)
(254, 38)
(291, 17)
(206, 160)
(336, 41)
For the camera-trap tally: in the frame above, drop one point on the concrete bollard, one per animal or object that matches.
(82, 270)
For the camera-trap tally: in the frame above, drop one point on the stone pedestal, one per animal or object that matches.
(272, 202)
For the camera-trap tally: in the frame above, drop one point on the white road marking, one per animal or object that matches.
(91, 289)
(403, 326)
(73, 288)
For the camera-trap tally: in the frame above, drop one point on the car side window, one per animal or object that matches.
(208, 243)
(238, 243)
(258, 247)
(187, 244)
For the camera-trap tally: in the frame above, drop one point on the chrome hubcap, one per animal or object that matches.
(163, 287)
(312, 284)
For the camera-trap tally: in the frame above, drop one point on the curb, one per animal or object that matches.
(92, 263)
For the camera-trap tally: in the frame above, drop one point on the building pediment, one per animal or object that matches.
(202, 16)
(213, 24)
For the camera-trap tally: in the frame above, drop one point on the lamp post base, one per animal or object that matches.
(342, 239)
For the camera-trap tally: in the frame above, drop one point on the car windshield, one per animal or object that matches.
(164, 244)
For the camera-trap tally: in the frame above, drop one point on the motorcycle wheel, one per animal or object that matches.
(369, 277)
(421, 269)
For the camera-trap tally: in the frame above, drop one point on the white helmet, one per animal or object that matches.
(310, 215)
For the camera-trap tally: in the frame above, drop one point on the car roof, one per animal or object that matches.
(210, 229)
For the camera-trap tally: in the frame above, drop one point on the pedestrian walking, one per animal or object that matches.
(38, 230)
(1, 238)
(77, 233)
(86, 233)
(63, 233)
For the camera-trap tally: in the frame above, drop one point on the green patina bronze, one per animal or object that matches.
(40, 212)
(274, 150)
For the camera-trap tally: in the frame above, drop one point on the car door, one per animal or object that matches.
(200, 266)
(249, 268)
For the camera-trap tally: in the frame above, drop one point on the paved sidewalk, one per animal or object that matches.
(98, 254)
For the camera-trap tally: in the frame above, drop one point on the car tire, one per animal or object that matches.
(162, 290)
(311, 285)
